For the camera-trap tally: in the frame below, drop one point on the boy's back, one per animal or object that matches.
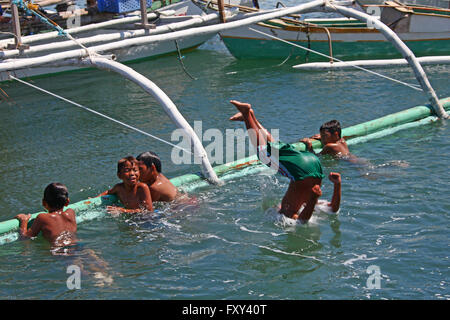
(56, 224)
(163, 190)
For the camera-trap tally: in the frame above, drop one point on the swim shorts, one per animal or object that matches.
(292, 163)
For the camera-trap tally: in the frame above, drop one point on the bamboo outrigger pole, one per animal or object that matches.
(89, 27)
(316, 66)
(110, 37)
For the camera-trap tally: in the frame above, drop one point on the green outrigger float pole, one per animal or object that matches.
(94, 208)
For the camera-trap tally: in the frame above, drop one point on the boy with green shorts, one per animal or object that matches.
(301, 167)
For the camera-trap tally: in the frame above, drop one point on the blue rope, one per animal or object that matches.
(20, 4)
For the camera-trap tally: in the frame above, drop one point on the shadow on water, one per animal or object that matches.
(65, 268)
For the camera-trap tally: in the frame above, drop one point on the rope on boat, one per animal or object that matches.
(99, 114)
(309, 43)
(413, 86)
(292, 49)
(31, 8)
(180, 58)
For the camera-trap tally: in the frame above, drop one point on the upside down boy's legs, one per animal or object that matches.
(258, 134)
(305, 191)
(239, 117)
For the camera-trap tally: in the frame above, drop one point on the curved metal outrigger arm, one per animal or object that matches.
(400, 46)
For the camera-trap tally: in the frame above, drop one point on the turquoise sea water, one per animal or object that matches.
(394, 212)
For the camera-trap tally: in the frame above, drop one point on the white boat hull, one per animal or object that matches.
(425, 34)
(183, 12)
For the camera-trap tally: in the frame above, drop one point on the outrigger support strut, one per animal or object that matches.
(167, 104)
(169, 107)
(401, 47)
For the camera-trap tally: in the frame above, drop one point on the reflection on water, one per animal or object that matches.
(75, 254)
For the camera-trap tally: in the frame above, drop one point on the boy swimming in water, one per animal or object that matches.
(57, 226)
(332, 142)
(134, 195)
(301, 167)
(161, 189)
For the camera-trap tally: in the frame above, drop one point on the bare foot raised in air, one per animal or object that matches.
(243, 107)
(237, 117)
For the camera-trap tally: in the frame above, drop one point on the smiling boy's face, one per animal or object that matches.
(129, 173)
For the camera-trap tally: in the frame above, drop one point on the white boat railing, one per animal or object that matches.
(14, 64)
(90, 27)
(109, 37)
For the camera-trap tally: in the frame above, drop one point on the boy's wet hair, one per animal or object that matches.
(149, 158)
(56, 195)
(332, 126)
(122, 162)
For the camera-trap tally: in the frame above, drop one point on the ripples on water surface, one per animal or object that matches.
(394, 212)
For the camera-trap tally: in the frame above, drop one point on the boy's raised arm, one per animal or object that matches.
(336, 200)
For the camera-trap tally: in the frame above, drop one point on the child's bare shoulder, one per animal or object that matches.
(336, 148)
(44, 220)
(117, 188)
(142, 186)
(70, 212)
(42, 217)
(331, 148)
